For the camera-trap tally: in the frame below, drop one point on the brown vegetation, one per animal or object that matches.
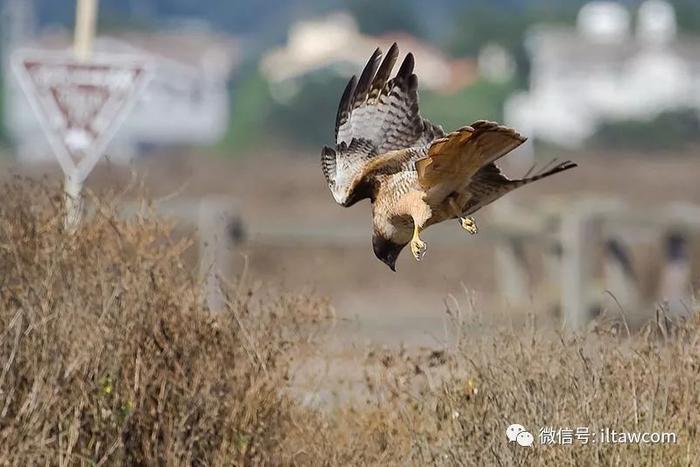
(108, 356)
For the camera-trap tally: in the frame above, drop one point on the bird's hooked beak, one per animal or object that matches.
(390, 261)
(386, 251)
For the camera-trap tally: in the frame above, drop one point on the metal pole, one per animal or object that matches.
(85, 25)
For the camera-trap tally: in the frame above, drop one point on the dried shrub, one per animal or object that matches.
(110, 356)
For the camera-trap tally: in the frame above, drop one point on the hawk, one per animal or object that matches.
(414, 173)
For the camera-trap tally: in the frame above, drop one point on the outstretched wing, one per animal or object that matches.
(452, 161)
(376, 115)
(489, 184)
(381, 110)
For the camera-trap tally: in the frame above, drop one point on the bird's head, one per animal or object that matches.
(386, 250)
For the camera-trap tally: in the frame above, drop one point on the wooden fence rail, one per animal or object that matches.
(570, 234)
(575, 233)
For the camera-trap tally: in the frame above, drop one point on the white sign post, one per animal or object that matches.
(85, 25)
(81, 99)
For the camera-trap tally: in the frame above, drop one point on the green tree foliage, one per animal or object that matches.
(305, 119)
(688, 15)
(251, 107)
(309, 117)
(380, 17)
(482, 100)
(482, 22)
(669, 130)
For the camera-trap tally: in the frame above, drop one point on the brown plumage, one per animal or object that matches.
(413, 172)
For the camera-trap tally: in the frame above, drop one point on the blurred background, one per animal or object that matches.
(245, 95)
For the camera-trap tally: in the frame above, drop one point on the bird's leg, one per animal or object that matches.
(413, 204)
(418, 246)
(467, 222)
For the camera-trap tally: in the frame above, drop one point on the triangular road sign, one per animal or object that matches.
(80, 104)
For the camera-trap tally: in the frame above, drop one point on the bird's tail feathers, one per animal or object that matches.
(548, 170)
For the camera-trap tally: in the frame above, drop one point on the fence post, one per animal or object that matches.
(675, 287)
(620, 278)
(576, 267)
(512, 271)
(219, 233)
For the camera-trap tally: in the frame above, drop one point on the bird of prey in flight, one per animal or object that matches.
(414, 173)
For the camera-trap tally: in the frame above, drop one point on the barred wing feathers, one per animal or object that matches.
(376, 115)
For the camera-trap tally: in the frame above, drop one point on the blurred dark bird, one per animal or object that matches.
(414, 173)
(676, 277)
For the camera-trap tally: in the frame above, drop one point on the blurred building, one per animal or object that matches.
(496, 64)
(603, 70)
(334, 42)
(187, 102)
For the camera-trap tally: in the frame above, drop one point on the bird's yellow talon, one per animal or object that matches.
(469, 224)
(418, 248)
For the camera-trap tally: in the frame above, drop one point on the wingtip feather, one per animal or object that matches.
(383, 72)
(407, 66)
(345, 103)
(364, 83)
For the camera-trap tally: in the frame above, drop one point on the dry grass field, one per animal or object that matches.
(284, 203)
(109, 357)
